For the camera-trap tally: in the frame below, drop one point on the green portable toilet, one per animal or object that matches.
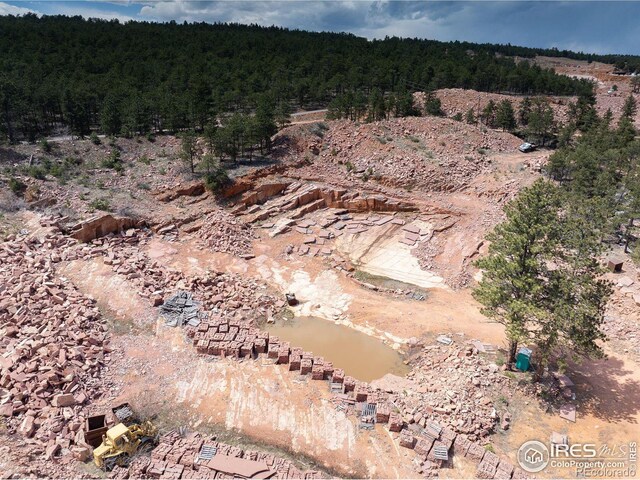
(523, 359)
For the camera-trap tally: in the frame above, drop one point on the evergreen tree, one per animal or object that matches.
(282, 114)
(524, 111)
(577, 295)
(377, 106)
(433, 105)
(505, 116)
(510, 288)
(210, 133)
(189, 149)
(265, 125)
(541, 121)
(470, 118)
(583, 112)
(541, 277)
(110, 120)
(630, 107)
(489, 114)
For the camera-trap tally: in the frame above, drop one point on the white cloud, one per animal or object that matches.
(6, 9)
(89, 12)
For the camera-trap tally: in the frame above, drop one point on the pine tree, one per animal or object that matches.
(541, 121)
(524, 111)
(489, 114)
(630, 107)
(210, 131)
(377, 106)
(510, 288)
(188, 149)
(470, 118)
(542, 278)
(577, 294)
(110, 119)
(505, 116)
(282, 114)
(433, 105)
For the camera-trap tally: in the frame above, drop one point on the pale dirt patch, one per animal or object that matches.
(161, 374)
(379, 251)
(112, 292)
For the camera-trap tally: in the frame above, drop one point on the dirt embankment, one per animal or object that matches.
(611, 90)
(459, 101)
(413, 153)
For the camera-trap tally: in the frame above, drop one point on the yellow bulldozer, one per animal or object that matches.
(121, 442)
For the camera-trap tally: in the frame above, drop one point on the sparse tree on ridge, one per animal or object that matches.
(541, 121)
(505, 116)
(489, 114)
(188, 149)
(630, 107)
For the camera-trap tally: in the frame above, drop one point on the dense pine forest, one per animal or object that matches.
(59, 72)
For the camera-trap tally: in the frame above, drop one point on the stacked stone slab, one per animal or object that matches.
(178, 457)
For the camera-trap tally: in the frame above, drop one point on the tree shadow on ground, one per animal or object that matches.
(7, 155)
(607, 389)
(257, 162)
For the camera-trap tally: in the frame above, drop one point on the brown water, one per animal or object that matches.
(358, 354)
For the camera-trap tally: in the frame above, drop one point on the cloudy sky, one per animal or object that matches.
(589, 26)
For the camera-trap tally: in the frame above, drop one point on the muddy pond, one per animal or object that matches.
(358, 354)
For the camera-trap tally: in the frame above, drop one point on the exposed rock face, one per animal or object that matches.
(189, 190)
(100, 226)
(262, 192)
(303, 199)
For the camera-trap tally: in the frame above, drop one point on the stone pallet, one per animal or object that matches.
(434, 445)
(179, 457)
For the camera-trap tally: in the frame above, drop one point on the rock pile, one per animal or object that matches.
(455, 387)
(225, 293)
(52, 347)
(183, 457)
(223, 232)
(432, 153)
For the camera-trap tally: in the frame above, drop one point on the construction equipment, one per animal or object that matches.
(122, 442)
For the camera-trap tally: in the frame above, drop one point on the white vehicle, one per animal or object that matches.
(527, 147)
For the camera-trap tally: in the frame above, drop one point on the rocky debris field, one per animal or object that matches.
(226, 293)
(222, 232)
(413, 153)
(604, 78)
(426, 153)
(53, 346)
(622, 322)
(456, 386)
